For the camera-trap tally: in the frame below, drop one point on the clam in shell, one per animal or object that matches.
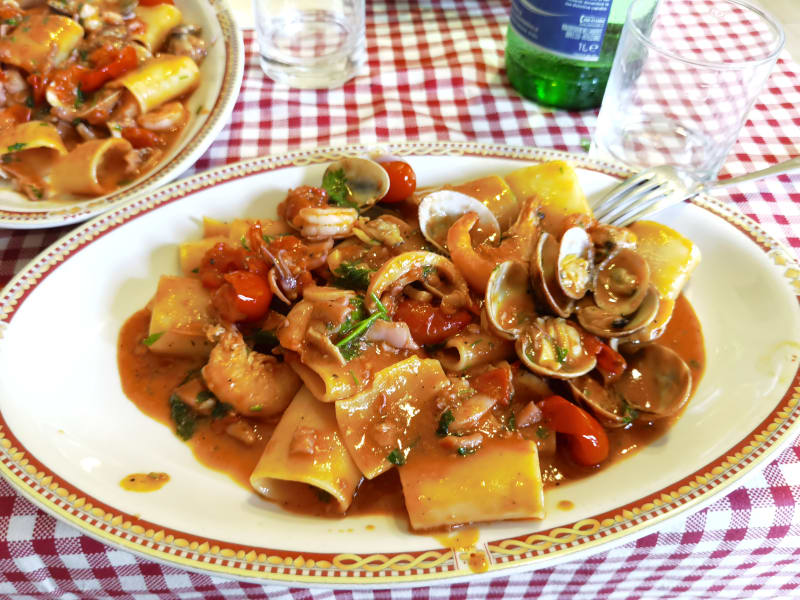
(575, 262)
(621, 282)
(440, 209)
(367, 181)
(509, 304)
(544, 277)
(613, 325)
(657, 382)
(552, 346)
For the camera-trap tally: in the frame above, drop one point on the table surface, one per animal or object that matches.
(446, 82)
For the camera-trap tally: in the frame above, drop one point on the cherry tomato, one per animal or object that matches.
(142, 138)
(14, 115)
(252, 293)
(39, 84)
(402, 181)
(111, 64)
(495, 383)
(588, 441)
(430, 324)
(610, 363)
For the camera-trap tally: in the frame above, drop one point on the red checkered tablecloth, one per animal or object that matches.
(435, 72)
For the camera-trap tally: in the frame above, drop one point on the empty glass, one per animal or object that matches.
(310, 43)
(684, 77)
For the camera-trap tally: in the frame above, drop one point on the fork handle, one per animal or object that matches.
(782, 167)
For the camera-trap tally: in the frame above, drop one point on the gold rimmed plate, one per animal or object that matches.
(68, 434)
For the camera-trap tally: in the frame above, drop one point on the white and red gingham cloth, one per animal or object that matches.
(435, 72)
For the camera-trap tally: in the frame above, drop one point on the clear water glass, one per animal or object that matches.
(685, 75)
(310, 44)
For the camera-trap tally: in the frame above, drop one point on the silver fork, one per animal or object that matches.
(657, 188)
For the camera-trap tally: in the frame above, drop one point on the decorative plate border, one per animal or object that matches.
(153, 541)
(191, 151)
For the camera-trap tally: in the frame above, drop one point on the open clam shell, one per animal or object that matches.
(544, 277)
(621, 282)
(367, 181)
(509, 304)
(657, 383)
(603, 401)
(612, 325)
(575, 262)
(552, 346)
(440, 209)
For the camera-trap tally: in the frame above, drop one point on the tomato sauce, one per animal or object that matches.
(148, 380)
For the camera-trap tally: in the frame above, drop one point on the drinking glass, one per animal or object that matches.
(684, 77)
(310, 44)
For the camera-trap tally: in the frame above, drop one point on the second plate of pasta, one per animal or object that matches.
(91, 449)
(100, 101)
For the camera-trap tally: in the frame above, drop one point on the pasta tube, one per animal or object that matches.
(29, 136)
(41, 40)
(160, 80)
(94, 167)
(467, 350)
(158, 21)
(306, 449)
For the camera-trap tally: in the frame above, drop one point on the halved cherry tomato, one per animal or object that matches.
(14, 115)
(610, 363)
(111, 64)
(495, 383)
(140, 137)
(252, 293)
(402, 181)
(430, 324)
(39, 85)
(588, 441)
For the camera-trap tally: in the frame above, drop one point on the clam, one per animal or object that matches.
(509, 304)
(657, 382)
(552, 346)
(434, 271)
(366, 181)
(575, 262)
(544, 277)
(603, 401)
(607, 239)
(621, 282)
(439, 210)
(613, 325)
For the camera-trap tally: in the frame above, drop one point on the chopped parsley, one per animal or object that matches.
(16, 147)
(257, 408)
(182, 416)
(542, 432)
(349, 275)
(629, 414)
(204, 395)
(152, 338)
(427, 271)
(444, 423)
(465, 451)
(29, 102)
(335, 183)
(355, 379)
(221, 409)
(243, 242)
(561, 354)
(80, 98)
(349, 345)
(13, 21)
(262, 340)
(396, 457)
(511, 422)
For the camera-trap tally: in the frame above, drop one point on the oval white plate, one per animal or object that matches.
(68, 434)
(209, 108)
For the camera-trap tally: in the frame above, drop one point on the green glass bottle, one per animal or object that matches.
(559, 52)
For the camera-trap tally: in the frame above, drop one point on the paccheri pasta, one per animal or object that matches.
(463, 347)
(91, 92)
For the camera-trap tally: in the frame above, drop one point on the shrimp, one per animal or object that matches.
(167, 117)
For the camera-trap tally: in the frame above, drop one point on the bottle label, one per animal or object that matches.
(568, 28)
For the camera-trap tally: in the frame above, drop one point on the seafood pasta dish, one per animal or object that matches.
(447, 353)
(91, 92)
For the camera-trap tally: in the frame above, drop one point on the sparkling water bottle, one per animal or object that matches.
(559, 52)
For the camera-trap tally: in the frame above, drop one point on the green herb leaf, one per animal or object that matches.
(204, 395)
(335, 183)
(351, 276)
(13, 21)
(220, 410)
(152, 338)
(182, 416)
(80, 99)
(16, 147)
(444, 423)
(630, 414)
(427, 271)
(542, 432)
(511, 422)
(29, 102)
(360, 328)
(257, 408)
(262, 340)
(243, 242)
(466, 451)
(561, 354)
(586, 144)
(396, 457)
